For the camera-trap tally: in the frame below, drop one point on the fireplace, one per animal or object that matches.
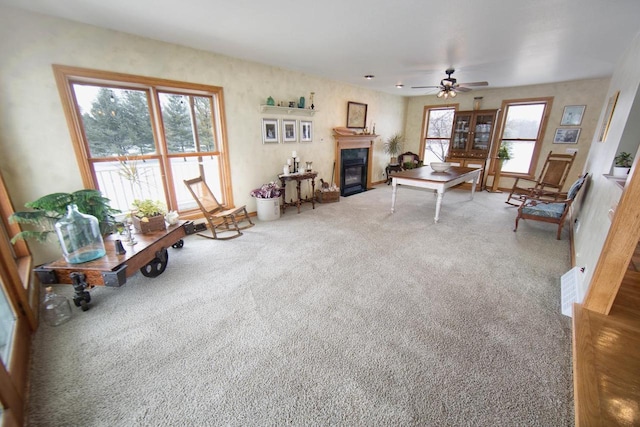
(353, 171)
(352, 168)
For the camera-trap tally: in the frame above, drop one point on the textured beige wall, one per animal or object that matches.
(584, 92)
(624, 135)
(37, 156)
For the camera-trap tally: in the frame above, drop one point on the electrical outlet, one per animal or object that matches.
(572, 150)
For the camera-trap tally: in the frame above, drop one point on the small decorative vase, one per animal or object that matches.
(301, 102)
(270, 101)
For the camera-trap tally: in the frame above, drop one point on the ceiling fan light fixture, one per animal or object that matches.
(369, 76)
(441, 94)
(452, 93)
(399, 86)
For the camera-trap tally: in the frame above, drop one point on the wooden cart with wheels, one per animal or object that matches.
(149, 255)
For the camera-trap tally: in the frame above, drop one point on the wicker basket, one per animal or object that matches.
(155, 223)
(327, 196)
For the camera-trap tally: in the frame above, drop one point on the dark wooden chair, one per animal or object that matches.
(550, 182)
(548, 210)
(223, 223)
(403, 160)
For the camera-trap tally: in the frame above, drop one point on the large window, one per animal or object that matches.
(139, 138)
(522, 131)
(437, 126)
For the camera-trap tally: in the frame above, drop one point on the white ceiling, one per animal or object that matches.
(412, 42)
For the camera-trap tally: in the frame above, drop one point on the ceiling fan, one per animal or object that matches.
(449, 86)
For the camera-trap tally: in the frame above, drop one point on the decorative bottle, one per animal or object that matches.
(55, 308)
(79, 236)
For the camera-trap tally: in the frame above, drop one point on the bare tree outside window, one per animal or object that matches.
(439, 123)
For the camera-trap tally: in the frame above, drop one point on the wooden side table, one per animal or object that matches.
(392, 168)
(298, 177)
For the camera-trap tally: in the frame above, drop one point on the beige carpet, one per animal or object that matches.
(342, 315)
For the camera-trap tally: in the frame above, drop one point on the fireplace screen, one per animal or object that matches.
(353, 174)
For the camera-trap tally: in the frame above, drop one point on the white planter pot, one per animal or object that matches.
(620, 171)
(268, 209)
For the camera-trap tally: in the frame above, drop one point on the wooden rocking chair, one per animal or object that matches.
(549, 184)
(223, 223)
(546, 210)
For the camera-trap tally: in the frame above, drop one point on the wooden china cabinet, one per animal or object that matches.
(471, 139)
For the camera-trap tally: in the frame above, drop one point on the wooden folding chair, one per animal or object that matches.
(549, 184)
(223, 223)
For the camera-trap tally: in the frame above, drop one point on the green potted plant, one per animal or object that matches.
(48, 209)
(393, 147)
(623, 162)
(148, 215)
(504, 152)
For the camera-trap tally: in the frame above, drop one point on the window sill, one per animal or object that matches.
(618, 181)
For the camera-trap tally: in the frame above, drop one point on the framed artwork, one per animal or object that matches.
(572, 115)
(566, 136)
(270, 131)
(289, 131)
(356, 115)
(306, 131)
(604, 127)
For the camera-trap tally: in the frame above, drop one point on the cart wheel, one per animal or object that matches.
(77, 301)
(155, 268)
(178, 244)
(84, 306)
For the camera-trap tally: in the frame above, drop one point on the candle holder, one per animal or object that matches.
(296, 165)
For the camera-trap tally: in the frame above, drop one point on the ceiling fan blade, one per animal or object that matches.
(424, 87)
(475, 84)
(462, 89)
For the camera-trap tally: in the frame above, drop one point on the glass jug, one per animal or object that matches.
(79, 236)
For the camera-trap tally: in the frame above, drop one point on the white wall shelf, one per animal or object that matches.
(287, 110)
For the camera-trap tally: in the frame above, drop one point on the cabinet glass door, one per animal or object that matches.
(482, 132)
(461, 129)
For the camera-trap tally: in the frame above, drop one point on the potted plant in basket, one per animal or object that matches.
(148, 215)
(393, 146)
(267, 201)
(623, 163)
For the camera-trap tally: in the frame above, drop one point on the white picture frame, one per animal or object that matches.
(566, 136)
(270, 131)
(306, 131)
(289, 131)
(572, 115)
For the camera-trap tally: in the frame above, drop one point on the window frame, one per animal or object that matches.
(66, 76)
(535, 155)
(425, 122)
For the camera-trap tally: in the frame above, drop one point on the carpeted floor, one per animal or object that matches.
(342, 315)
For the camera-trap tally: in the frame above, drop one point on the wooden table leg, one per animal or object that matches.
(283, 185)
(313, 193)
(438, 204)
(299, 202)
(394, 186)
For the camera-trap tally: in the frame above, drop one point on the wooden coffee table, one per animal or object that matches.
(149, 255)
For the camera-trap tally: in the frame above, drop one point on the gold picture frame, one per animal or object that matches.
(608, 114)
(356, 115)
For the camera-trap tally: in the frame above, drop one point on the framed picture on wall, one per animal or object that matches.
(289, 131)
(306, 131)
(270, 131)
(608, 114)
(566, 136)
(356, 115)
(572, 115)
